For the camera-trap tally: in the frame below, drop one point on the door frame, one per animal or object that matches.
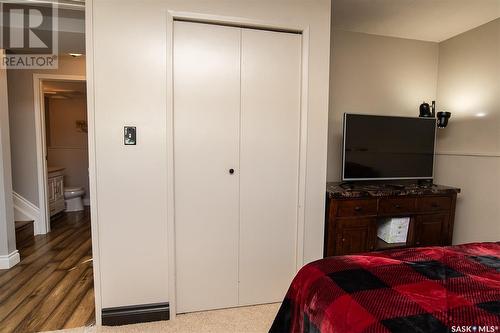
(43, 226)
(242, 23)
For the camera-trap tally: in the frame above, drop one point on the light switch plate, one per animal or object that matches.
(130, 135)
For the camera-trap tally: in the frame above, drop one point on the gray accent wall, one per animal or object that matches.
(386, 75)
(373, 74)
(468, 150)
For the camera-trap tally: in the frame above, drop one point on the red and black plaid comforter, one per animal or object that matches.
(427, 290)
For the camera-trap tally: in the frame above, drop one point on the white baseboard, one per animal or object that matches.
(26, 211)
(10, 260)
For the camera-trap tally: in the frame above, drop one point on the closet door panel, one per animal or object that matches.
(269, 157)
(206, 133)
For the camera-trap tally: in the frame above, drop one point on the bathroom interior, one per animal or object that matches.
(65, 111)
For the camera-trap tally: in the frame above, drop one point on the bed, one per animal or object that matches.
(427, 290)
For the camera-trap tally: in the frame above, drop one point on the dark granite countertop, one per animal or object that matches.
(336, 190)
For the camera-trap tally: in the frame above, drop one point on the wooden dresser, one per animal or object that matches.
(354, 212)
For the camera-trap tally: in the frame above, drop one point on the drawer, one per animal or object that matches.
(396, 205)
(432, 204)
(363, 207)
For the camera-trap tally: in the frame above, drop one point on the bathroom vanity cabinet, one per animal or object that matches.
(55, 190)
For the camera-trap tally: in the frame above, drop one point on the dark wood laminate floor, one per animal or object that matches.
(52, 287)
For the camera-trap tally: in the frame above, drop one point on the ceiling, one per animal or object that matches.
(64, 89)
(428, 20)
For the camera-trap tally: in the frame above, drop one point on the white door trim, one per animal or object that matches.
(96, 254)
(248, 23)
(41, 148)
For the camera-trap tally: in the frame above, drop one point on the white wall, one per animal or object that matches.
(469, 87)
(22, 124)
(68, 146)
(130, 78)
(373, 74)
(7, 227)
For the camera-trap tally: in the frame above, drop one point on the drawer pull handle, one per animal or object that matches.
(398, 206)
(343, 239)
(434, 205)
(358, 209)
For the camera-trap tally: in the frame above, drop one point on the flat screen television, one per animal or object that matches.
(387, 148)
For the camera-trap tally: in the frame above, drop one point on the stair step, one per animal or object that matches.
(25, 235)
(21, 224)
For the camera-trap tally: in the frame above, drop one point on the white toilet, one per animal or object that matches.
(73, 198)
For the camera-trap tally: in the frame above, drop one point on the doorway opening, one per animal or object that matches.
(64, 127)
(53, 287)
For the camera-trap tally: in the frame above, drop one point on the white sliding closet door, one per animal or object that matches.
(236, 106)
(206, 139)
(269, 157)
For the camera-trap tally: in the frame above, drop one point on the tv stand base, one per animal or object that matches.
(355, 210)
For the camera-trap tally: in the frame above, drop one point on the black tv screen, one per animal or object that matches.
(385, 147)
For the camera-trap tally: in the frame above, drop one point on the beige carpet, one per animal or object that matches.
(250, 319)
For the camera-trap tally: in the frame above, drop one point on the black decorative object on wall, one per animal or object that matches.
(429, 111)
(425, 110)
(442, 119)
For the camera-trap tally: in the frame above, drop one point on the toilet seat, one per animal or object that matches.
(71, 192)
(73, 189)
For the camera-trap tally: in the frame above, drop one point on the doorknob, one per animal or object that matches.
(231, 171)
